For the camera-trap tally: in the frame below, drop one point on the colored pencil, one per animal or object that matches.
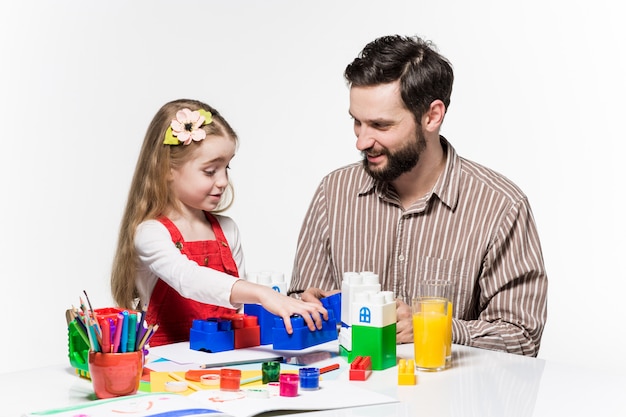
(242, 362)
(251, 380)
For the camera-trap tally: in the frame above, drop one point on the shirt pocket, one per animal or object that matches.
(455, 271)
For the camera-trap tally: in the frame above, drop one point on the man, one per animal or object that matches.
(415, 210)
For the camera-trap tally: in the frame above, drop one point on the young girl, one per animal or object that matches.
(175, 254)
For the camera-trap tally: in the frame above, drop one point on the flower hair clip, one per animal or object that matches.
(187, 127)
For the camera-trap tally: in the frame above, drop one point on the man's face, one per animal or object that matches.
(386, 132)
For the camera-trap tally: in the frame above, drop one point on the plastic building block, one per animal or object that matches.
(246, 328)
(302, 337)
(345, 353)
(354, 283)
(373, 332)
(333, 302)
(360, 368)
(379, 343)
(212, 335)
(272, 279)
(265, 320)
(78, 346)
(406, 372)
(233, 331)
(374, 309)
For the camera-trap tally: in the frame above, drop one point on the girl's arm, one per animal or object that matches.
(159, 258)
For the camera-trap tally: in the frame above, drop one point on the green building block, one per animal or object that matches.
(379, 343)
(78, 346)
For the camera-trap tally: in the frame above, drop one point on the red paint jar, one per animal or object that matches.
(230, 379)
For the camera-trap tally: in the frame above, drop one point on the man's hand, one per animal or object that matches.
(404, 322)
(313, 295)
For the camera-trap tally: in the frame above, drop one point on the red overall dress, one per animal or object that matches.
(168, 308)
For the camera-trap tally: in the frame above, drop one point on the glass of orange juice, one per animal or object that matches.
(441, 289)
(430, 332)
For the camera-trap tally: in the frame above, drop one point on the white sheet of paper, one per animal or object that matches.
(330, 395)
(182, 354)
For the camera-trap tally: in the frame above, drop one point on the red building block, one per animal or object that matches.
(360, 368)
(246, 329)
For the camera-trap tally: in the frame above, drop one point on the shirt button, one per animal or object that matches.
(401, 258)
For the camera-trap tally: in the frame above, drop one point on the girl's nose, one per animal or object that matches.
(221, 180)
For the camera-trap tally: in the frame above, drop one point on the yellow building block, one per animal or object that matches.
(406, 372)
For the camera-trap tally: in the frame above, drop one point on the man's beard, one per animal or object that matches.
(398, 162)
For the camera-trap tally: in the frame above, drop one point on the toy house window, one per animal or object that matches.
(365, 315)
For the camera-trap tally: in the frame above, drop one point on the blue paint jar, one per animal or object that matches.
(309, 379)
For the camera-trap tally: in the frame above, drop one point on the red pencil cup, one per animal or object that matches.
(115, 374)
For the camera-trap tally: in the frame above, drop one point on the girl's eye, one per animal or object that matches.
(209, 173)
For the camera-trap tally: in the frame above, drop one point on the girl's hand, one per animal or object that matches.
(279, 304)
(312, 312)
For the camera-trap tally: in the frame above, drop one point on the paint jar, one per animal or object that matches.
(289, 385)
(230, 379)
(211, 380)
(273, 388)
(309, 379)
(270, 371)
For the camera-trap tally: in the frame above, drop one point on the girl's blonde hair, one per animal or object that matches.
(149, 196)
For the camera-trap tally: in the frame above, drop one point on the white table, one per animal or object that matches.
(480, 383)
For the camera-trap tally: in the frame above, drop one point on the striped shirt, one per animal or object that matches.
(474, 228)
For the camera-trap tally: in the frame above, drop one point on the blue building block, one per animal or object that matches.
(302, 337)
(333, 302)
(212, 335)
(266, 321)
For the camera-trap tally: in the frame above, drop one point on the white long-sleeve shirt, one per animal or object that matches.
(160, 258)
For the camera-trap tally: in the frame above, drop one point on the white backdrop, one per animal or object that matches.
(538, 96)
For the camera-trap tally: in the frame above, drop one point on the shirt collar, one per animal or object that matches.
(447, 185)
(446, 188)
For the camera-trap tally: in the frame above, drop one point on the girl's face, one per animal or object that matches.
(199, 183)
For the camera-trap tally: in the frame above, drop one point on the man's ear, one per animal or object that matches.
(433, 118)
